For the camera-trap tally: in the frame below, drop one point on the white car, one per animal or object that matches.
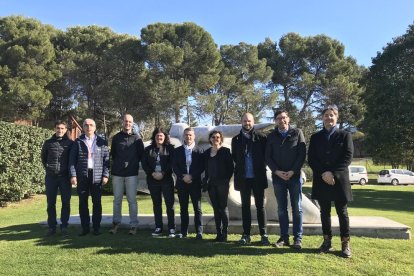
(358, 174)
(396, 176)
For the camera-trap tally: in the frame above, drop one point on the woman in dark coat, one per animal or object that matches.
(219, 169)
(330, 154)
(156, 163)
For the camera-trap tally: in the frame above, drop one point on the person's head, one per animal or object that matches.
(89, 127)
(159, 137)
(189, 136)
(247, 121)
(330, 116)
(60, 128)
(127, 123)
(215, 138)
(282, 119)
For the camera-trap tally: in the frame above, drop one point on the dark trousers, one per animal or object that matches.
(85, 188)
(53, 184)
(218, 196)
(342, 211)
(184, 193)
(157, 190)
(258, 194)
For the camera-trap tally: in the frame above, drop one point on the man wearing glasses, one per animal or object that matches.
(285, 155)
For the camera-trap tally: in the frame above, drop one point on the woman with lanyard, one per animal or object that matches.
(156, 163)
(219, 169)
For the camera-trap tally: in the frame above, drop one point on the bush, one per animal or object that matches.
(21, 169)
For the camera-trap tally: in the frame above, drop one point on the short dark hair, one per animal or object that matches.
(280, 111)
(61, 122)
(163, 131)
(215, 132)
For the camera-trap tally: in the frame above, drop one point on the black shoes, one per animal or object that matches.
(265, 240)
(199, 236)
(84, 232)
(64, 232)
(96, 232)
(221, 237)
(297, 244)
(245, 239)
(157, 232)
(50, 232)
(282, 242)
(326, 246)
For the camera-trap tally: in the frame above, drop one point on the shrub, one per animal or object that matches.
(21, 170)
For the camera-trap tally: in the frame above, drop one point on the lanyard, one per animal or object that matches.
(91, 147)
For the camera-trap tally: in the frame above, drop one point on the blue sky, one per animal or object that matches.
(363, 26)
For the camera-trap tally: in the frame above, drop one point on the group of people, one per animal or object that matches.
(85, 163)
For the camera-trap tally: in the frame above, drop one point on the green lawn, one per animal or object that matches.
(26, 252)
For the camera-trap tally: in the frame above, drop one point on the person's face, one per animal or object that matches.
(60, 130)
(189, 137)
(127, 123)
(159, 138)
(89, 127)
(247, 122)
(329, 119)
(282, 121)
(215, 140)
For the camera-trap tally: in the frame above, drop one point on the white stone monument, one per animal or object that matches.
(310, 211)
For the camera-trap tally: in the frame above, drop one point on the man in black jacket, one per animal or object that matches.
(55, 158)
(89, 170)
(188, 165)
(285, 155)
(248, 151)
(126, 151)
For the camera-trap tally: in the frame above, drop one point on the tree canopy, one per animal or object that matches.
(173, 72)
(389, 99)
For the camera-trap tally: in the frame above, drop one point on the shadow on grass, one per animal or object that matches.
(142, 242)
(380, 200)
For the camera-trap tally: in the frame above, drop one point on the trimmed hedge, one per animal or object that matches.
(21, 169)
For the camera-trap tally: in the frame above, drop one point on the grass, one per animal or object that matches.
(25, 251)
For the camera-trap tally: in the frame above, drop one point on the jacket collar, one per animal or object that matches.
(64, 137)
(251, 132)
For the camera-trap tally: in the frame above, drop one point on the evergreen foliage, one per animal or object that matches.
(21, 169)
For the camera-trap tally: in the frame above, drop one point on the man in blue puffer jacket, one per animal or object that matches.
(89, 170)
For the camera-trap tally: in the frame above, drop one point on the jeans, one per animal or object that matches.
(53, 184)
(128, 184)
(184, 193)
(258, 194)
(341, 207)
(85, 188)
(157, 190)
(218, 196)
(281, 189)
